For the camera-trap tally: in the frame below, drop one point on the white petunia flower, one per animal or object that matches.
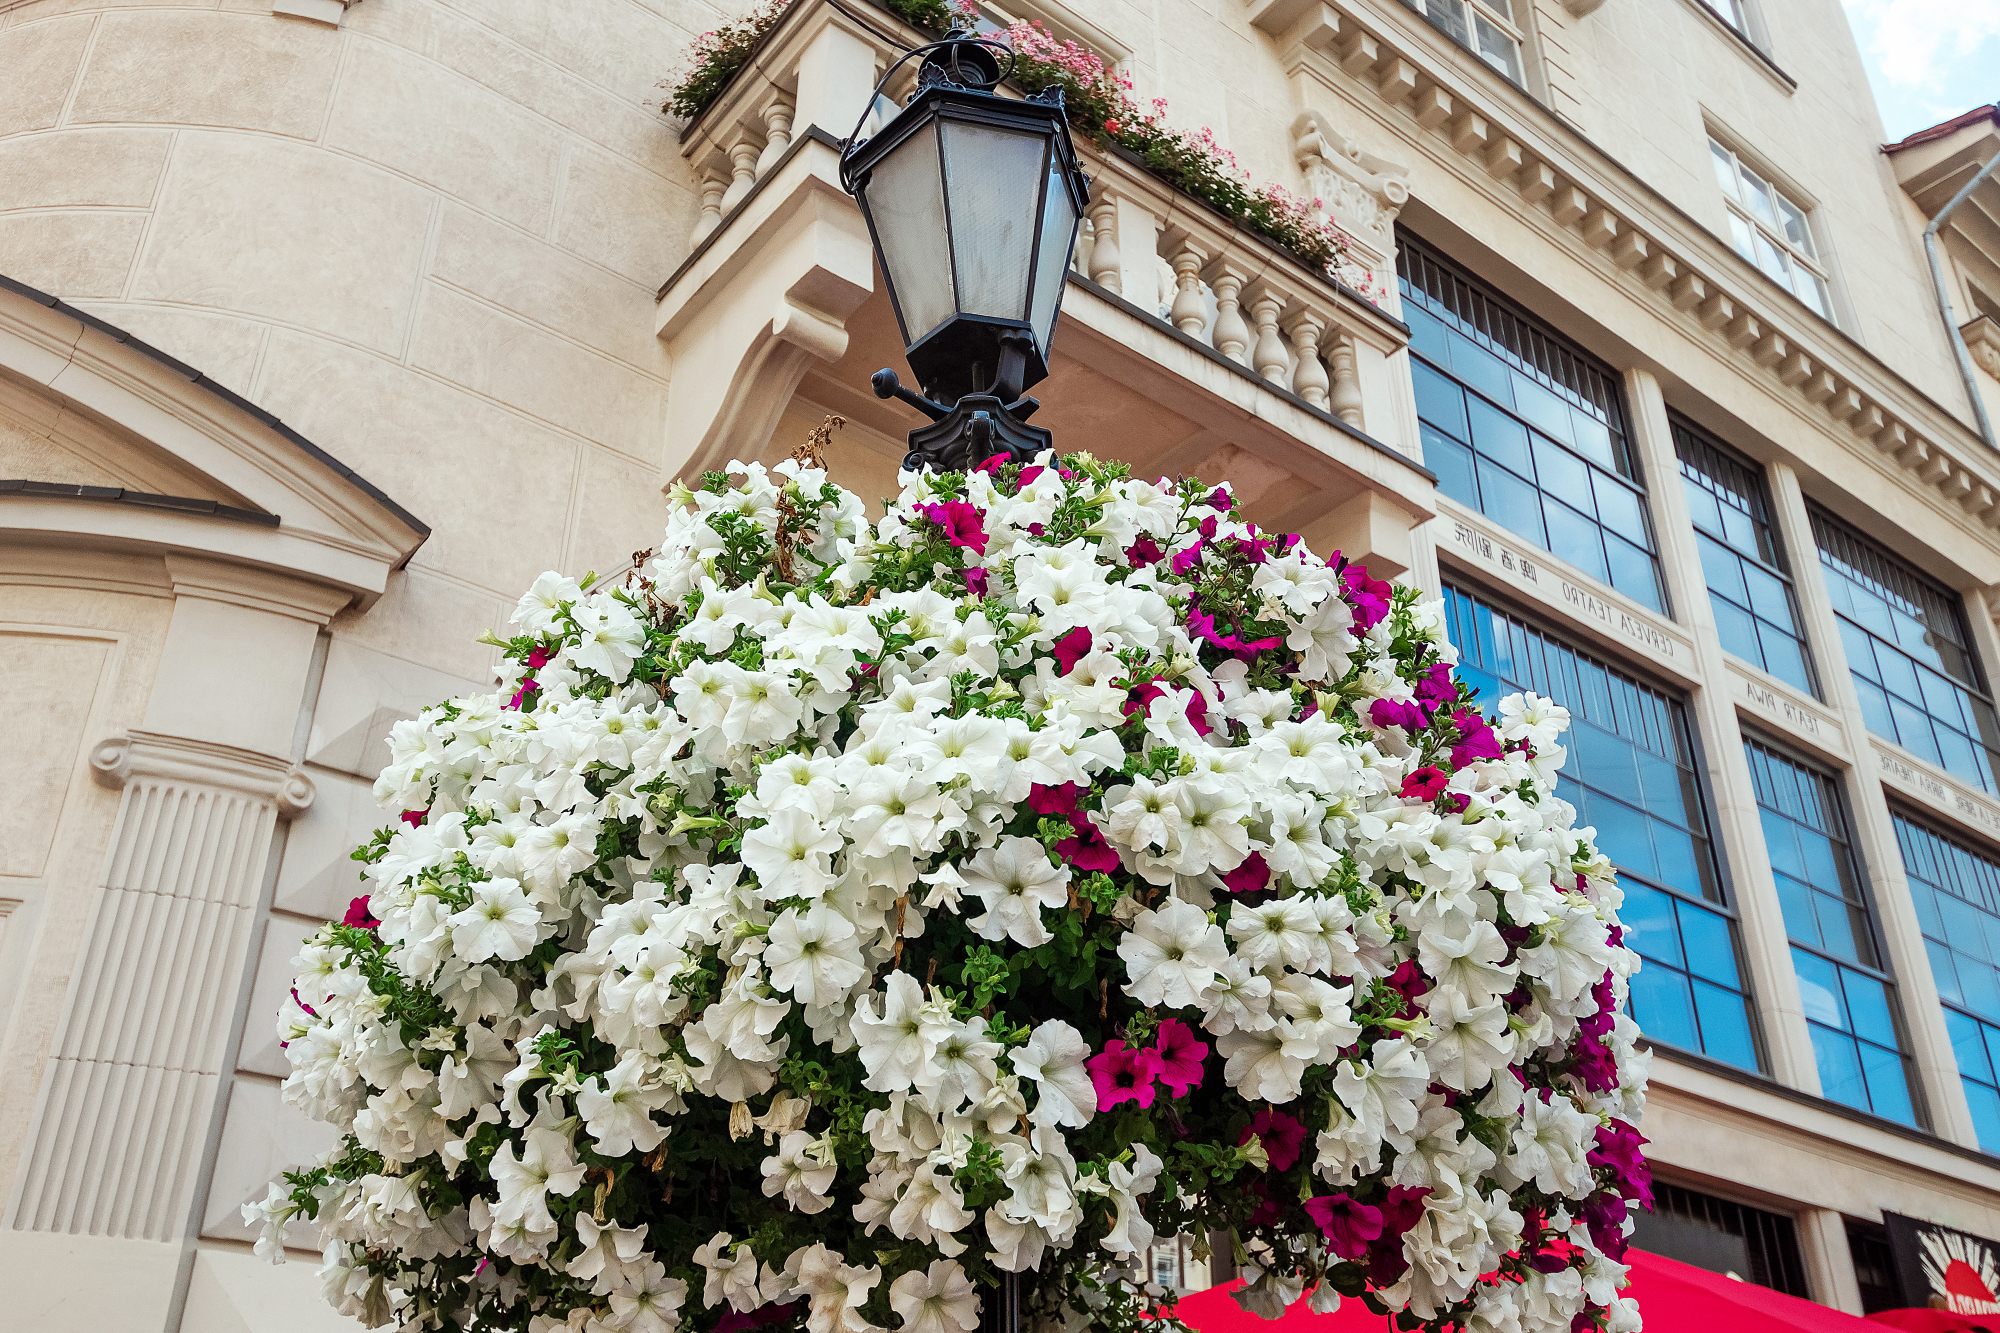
(1054, 1058)
(500, 923)
(1015, 880)
(1171, 954)
(939, 1299)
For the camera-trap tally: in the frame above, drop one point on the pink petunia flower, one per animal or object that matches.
(1122, 1074)
(1070, 647)
(1249, 877)
(1426, 783)
(1178, 1056)
(961, 523)
(1282, 1137)
(359, 915)
(1347, 1223)
(1087, 850)
(975, 581)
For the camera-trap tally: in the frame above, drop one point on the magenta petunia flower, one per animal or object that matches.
(1178, 1056)
(1475, 739)
(1087, 850)
(1426, 783)
(975, 581)
(961, 524)
(1070, 647)
(1028, 475)
(1348, 1224)
(1054, 800)
(1396, 713)
(1145, 551)
(1249, 877)
(415, 818)
(1282, 1137)
(992, 466)
(1122, 1074)
(359, 915)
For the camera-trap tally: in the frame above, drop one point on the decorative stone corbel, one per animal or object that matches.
(1982, 339)
(769, 299)
(172, 759)
(1582, 8)
(1361, 192)
(329, 12)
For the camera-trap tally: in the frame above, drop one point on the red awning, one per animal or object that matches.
(1673, 1298)
(1937, 1321)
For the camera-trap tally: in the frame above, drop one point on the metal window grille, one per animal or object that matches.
(1702, 1225)
(1518, 337)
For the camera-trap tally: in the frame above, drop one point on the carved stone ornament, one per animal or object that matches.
(1361, 192)
(1982, 339)
(144, 754)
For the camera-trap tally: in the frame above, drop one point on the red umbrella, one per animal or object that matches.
(1673, 1298)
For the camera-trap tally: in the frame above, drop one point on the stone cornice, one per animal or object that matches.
(145, 754)
(1495, 137)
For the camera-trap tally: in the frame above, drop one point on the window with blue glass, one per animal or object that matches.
(1850, 1001)
(1524, 427)
(1910, 651)
(1957, 892)
(1749, 583)
(1631, 774)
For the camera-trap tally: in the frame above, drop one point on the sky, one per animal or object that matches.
(1928, 60)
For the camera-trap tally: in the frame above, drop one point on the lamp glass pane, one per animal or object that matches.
(990, 179)
(1058, 241)
(906, 202)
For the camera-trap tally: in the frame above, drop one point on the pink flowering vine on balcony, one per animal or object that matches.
(1101, 107)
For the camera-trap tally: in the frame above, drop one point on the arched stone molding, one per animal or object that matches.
(762, 301)
(139, 416)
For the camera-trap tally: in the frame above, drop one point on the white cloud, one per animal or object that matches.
(1929, 60)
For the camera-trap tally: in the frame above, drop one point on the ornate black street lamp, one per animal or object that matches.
(973, 202)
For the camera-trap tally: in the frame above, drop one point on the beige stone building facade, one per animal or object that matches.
(327, 327)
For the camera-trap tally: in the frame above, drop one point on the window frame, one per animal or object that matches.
(1835, 789)
(1490, 13)
(1935, 826)
(1824, 520)
(1725, 904)
(1679, 427)
(1743, 221)
(1444, 300)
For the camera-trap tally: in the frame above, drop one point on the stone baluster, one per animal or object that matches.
(1085, 234)
(778, 136)
(1308, 375)
(1189, 313)
(1104, 256)
(1231, 335)
(711, 209)
(1345, 401)
(743, 161)
(1267, 358)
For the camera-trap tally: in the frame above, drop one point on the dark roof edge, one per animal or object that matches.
(66, 490)
(229, 396)
(1946, 128)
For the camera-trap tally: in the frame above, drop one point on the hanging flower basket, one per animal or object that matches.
(837, 915)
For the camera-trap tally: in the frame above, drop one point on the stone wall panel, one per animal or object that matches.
(186, 67)
(38, 65)
(504, 359)
(113, 168)
(312, 239)
(475, 145)
(78, 254)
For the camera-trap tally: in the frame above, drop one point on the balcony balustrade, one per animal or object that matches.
(1238, 359)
